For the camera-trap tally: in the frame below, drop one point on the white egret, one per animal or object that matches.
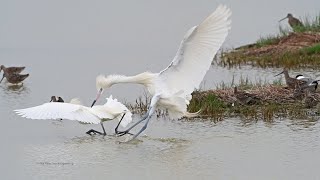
(112, 109)
(172, 87)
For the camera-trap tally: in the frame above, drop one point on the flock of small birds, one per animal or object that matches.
(303, 88)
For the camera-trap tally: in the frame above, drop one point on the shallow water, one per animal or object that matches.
(64, 58)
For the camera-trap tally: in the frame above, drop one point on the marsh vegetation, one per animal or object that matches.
(252, 101)
(298, 49)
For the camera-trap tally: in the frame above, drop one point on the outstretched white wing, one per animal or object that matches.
(113, 106)
(56, 110)
(196, 52)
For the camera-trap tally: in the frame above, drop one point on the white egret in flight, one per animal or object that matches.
(172, 87)
(112, 109)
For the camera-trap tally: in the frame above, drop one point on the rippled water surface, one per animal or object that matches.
(65, 51)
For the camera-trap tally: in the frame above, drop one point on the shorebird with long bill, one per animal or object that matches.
(12, 74)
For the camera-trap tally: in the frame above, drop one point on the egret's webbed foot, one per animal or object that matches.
(122, 133)
(93, 132)
(145, 117)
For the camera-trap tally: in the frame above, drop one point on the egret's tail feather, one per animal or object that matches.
(192, 115)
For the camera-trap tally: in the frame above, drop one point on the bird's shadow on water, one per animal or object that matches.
(14, 88)
(124, 140)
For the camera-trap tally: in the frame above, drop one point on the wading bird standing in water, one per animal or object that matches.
(172, 87)
(112, 109)
(12, 74)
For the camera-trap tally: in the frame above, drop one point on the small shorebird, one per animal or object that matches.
(293, 22)
(12, 70)
(12, 74)
(292, 83)
(56, 99)
(245, 98)
(112, 109)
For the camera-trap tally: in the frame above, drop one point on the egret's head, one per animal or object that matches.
(289, 15)
(1, 67)
(102, 83)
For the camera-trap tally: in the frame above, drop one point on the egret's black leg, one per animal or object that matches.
(104, 131)
(116, 129)
(121, 133)
(147, 117)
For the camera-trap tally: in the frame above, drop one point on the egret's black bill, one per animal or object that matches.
(98, 96)
(93, 102)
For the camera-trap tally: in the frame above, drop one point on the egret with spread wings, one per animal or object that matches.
(112, 109)
(172, 87)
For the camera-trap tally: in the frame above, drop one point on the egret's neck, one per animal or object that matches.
(143, 78)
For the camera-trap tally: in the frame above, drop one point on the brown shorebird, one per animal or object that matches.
(12, 74)
(292, 83)
(12, 70)
(245, 98)
(293, 22)
(56, 99)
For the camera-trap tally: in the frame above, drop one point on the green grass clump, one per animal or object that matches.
(272, 39)
(309, 25)
(269, 40)
(209, 104)
(315, 49)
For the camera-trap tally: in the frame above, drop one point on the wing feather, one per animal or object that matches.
(196, 52)
(56, 110)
